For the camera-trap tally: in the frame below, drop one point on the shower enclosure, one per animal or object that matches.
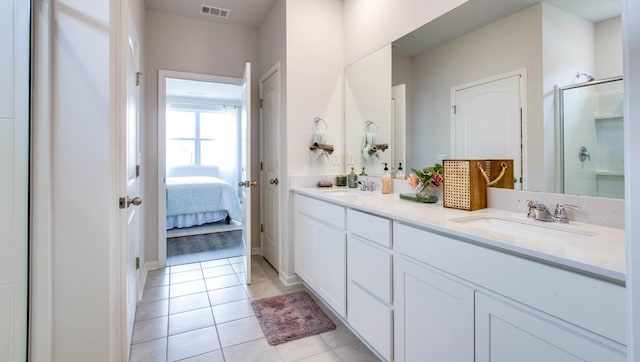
(591, 138)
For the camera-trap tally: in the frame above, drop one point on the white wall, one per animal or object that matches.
(368, 26)
(179, 43)
(315, 82)
(314, 88)
(568, 48)
(14, 167)
(504, 46)
(608, 48)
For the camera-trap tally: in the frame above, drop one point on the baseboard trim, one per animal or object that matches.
(148, 266)
(290, 280)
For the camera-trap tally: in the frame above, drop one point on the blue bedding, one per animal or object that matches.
(199, 194)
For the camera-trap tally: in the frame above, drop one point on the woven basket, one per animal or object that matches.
(464, 185)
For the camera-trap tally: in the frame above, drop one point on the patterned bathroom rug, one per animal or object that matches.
(288, 317)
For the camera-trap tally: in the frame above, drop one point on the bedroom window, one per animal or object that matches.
(201, 136)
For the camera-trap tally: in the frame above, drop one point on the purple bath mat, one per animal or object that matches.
(292, 316)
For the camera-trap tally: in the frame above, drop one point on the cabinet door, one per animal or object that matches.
(305, 248)
(372, 319)
(434, 315)
(507, 331)
(332, 275)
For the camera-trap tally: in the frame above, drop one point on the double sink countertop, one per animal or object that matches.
(589, 249)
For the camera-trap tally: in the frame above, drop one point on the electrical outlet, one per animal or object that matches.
(334, 158)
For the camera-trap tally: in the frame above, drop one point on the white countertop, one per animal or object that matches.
(601, 255)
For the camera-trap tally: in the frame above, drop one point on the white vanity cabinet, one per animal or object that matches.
(434, 315)
(320, 249)
(369, 274)
(451, 293)
(507, 331)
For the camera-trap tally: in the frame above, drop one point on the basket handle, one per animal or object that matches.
(503, 165)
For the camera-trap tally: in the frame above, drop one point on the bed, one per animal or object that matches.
(197, 200)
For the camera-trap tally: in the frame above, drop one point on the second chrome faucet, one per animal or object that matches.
(539, 211)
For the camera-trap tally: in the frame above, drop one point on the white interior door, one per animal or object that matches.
(487, 122)
(245, 162)
(132, 200)
(270, 180)
(14, 168)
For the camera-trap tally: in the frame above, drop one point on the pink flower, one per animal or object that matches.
(436, 179)
(413, 181)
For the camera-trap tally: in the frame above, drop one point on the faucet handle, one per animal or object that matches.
(532, 204)
(567, 206)
(560, 213)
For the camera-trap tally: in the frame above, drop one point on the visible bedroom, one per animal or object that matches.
(204, 214)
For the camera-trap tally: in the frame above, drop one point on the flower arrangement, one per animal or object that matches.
(428, 177)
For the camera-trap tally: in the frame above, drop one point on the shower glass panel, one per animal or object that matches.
(592, 141)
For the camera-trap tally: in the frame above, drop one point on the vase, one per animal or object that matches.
(428, 194)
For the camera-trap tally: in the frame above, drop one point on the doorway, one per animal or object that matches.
(200, 116)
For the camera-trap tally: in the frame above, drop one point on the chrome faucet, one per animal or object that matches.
(541, 212)
(538, 211)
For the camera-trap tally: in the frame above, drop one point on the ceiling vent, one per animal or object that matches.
(214, 11)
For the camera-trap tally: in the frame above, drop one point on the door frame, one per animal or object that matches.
(522, 72)
(163, 74)
(275, 69)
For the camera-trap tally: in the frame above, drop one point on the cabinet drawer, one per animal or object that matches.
(371, 319)
(320, 210)
(370, 227)
(370, 267)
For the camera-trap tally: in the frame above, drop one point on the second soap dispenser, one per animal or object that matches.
(386, 180)
(352, 179)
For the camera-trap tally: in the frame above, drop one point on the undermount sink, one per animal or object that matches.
(524, 228)
(342, 192)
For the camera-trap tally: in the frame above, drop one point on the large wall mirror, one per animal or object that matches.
(479, 54)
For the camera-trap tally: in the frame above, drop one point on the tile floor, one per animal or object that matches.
(202, 312)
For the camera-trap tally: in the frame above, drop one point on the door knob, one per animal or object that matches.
(274, 181)
(135, 201)
(247, 183)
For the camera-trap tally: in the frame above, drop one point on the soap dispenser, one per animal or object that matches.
(386, 180)
(352, 179)
(400, 172)
(363, 172)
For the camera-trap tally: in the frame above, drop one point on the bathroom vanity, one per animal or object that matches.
(421, 282)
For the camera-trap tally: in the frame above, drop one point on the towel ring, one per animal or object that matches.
(319, 125)
(371, 127)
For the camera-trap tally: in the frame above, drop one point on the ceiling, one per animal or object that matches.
(245, 13)
(476, 13)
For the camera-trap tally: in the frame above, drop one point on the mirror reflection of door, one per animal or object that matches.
(203, 136)
(398, 125)
(487, 122)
